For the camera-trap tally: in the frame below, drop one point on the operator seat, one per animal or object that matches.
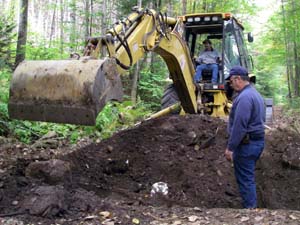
(207, 73)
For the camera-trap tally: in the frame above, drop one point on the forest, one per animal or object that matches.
(53, 29)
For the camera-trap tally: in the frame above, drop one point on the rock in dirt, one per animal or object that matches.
(291, 157)
(46, 201)
(52, 171)
(81, 200)
(11, 222)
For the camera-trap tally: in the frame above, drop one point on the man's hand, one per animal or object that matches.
(200, 60)
(228, 155)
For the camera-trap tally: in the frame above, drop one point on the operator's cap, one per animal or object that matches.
(237, 71)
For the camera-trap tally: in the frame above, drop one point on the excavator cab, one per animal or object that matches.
(226, 35)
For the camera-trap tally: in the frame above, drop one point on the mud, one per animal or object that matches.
(111, 182)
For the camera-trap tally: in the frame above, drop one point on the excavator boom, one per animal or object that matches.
(75, 91)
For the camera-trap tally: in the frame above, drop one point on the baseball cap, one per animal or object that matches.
(238, 71)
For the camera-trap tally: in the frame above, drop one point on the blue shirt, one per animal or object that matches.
(247, 115)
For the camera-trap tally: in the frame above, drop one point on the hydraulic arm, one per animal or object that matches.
(75, 91)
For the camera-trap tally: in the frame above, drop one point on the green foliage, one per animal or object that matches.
(4, 129)
(269, 57)
(4, 82)
(28, 132)
(241, 8)
(293, 105)
(40, 51)
(125, 6)
(151, 90)
(107, 121)
(272, 83)
(152, 83)
(116, 116)
(7, 36)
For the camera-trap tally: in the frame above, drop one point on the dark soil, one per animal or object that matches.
(112, 182)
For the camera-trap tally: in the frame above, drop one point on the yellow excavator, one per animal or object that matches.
(75, 90)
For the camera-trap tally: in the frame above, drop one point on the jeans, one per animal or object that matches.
(213, 67)
(244, 159)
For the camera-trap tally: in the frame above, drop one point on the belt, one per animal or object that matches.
(252, 137)
(256, 136)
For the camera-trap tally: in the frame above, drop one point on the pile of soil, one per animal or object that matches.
(117, 180)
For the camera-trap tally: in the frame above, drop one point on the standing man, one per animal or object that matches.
(208, 59)
(246, 134)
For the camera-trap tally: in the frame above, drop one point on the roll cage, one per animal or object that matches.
(226, 35)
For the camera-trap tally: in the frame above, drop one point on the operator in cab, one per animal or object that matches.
(208, 59)
(246, 134)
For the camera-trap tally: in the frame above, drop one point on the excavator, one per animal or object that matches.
(75, 90)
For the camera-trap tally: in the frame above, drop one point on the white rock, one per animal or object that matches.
(244, 219)
(192, 218)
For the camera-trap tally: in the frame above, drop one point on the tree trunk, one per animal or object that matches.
(52, 29)
(194, 6)
(61, 27)
(170, 8)
(22, 32)
(157, 4)
(103, 18)
(114, 13)
(87, 19)
(204, 6)
(91, 17)
(288, 73)
(139, 3)
(184, 7)
(295, 49)
(45, 18)
(135, 78)
(296, 80)
(73, 25)
(135, 83)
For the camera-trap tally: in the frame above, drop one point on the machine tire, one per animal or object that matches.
(170, 97)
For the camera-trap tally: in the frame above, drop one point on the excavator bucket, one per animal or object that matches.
(64, 91)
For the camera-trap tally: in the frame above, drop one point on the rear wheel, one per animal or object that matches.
(170, 97)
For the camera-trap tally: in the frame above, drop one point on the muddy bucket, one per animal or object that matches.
(63, 91)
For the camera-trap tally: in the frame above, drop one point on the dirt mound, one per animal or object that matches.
(185, 154)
